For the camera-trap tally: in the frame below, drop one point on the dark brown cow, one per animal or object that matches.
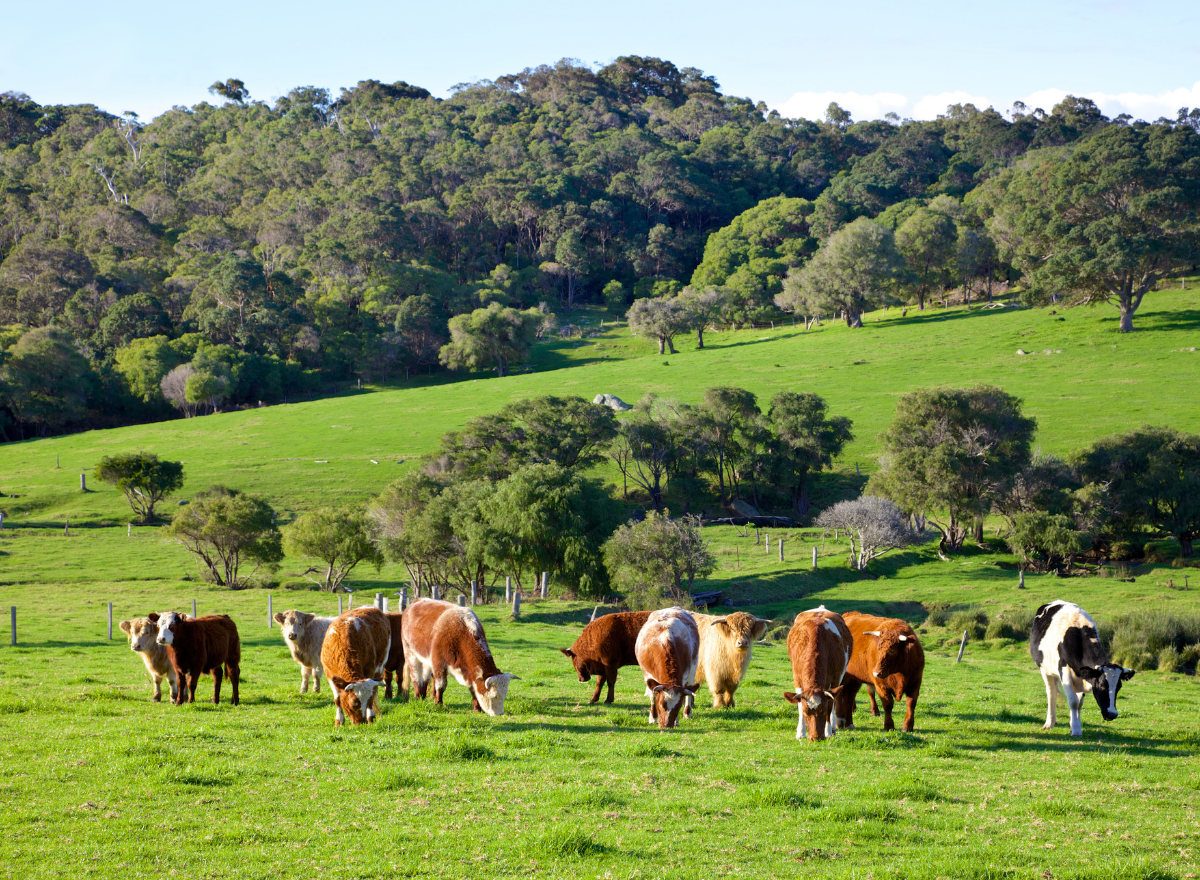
(354, 653)
(604, 646)
(395, 660)
(440, 638)
(668, 648)
(819, 646)
(889, 660)
(198, 645)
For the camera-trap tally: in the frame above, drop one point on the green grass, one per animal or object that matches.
(97, 780)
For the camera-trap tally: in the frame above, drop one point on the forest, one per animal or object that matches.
(240, 252)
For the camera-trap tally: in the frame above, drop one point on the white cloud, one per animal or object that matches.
(811, 105)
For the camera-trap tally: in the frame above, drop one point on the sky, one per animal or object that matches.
(871, 57)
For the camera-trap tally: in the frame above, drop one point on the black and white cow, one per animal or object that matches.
(1065, 645)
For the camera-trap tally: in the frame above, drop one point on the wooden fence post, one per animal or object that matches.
(194, 614)
(1021, 579)
(384, 609)
(379, 601)
(433, 592)
(507, 589)
(962, 647)
(403, 599)
(594, 610)
(814, 558)
(67, 529)
(128, 530)
(339, 604)
(516, 609)
(1, 520)
(270, 617)
(474, 593)
(757, 539)
(781, 549)
(83, 482)
(462, 601)
(110, 621)
(545, 582)
(768, 541)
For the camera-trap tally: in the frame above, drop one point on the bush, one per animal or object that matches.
(1160, 552)
(1011, 625)
(972, 620)
(1000, 628)
(1154, 640)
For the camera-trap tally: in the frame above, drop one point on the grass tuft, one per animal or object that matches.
(781, 796)
(566, 843)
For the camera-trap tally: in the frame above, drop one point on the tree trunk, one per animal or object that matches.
(662, 346)
(855, 321)
(979, 532)
(800, 502)
(700, 337)
(1185, 545)
(1126, 317)
(671, 345)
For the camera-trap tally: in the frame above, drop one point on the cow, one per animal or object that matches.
(441, 637)
(395, 660)
(667, 649)
(888, 658)
(726, 644)
(819, 645)
(196, 645)
(604, 646)
(354, 654)
(304, 634)
(143, 635)
(1066, 647)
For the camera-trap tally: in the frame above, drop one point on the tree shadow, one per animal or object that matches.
(1184, 319)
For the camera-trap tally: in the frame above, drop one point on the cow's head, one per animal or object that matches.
(585, 668)
(816, 711)
(490, 692)
(142, 633)
(666, 701)
(892, 649)
(1106, 681)
(292, 624)
(741, 629)
(355, 700)
(168, 625)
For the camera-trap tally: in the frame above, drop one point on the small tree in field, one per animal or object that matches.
(341, 539)
(873, 525)
(659, 319)
(143, 477)
(658, 558)
(224, 528)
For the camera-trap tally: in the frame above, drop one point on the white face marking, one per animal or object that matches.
(491, 700)
(142, 637)
(1114, 679)
(165, 622)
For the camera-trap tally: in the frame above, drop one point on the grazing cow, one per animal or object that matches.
(354, 654)
(819, 646)
(304, 634)
(196, 645)
(1065, 645)
(143, 635)
(887, 658)
(726, 644)
(667, 649)
(604, 646)
(441, 637)
(395, 660)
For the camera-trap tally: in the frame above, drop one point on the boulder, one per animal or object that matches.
(744, 508)
(612, 402)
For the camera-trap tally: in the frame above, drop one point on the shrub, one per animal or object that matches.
(1000, 628)
(972, 620)
(1154, 640)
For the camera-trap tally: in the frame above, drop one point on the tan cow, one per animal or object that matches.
(889, 660)
(440, 638)
(143, 635)
(726, 645)
(819, 645)
(666, 650)
(304, 634)
(354, 654)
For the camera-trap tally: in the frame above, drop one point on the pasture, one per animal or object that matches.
(99, 781)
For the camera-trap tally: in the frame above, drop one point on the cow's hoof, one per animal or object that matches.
(157, 699)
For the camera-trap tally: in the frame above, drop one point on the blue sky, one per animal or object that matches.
(913, 58)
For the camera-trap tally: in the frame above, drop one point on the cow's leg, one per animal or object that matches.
(235, 674)
(387, 677)
(193, 681)
(610, 678)
(216, 673)
(910, 712)
(871, 694)
(688, 702)
(316, 679)
(846, 702)
(157, 679)
(173, 680)
(830, 723)
(600, 681)
(1051, 683)
(305, 675)
(888, 702)
(374, 704)
(1074, 703)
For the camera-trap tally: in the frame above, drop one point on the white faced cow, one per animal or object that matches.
(1065, 645)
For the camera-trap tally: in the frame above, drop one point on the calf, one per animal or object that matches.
(143, 635)
(196, 645)
(441, 637)
(304, 634)
(604, 646)
(395, 660)
(354, 654)
(726, 644)
(1066, 647)
(888, 658)
(819, 645)
(667, 650)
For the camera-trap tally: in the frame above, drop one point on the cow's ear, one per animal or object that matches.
(1126, 674)
(152, 617)
(692, 688)
(652, 684)
(1088, 673)
(279, 617)
(568, 652)
(760, 627)
(126, 626)
(338, 682)
(658, 689)
(792, 698)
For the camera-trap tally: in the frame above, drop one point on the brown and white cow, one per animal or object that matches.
(887, 658)
(354, 654)
(143, 635)
(726, 645)
(819, 645)
(196, 645)
(395, 660)
(604, 646)
(440, 638)
(667, 650)
(304, 634)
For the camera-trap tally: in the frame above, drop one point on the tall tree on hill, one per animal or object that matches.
(660, 319)
(1107, 222)
(492, 337)
(143, 477)
(927, 240)
(807, 440)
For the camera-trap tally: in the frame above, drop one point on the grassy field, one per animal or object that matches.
(99, 781)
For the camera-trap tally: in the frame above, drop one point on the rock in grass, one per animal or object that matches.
(612, 402)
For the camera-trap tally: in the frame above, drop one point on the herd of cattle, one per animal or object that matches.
(832, 655)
